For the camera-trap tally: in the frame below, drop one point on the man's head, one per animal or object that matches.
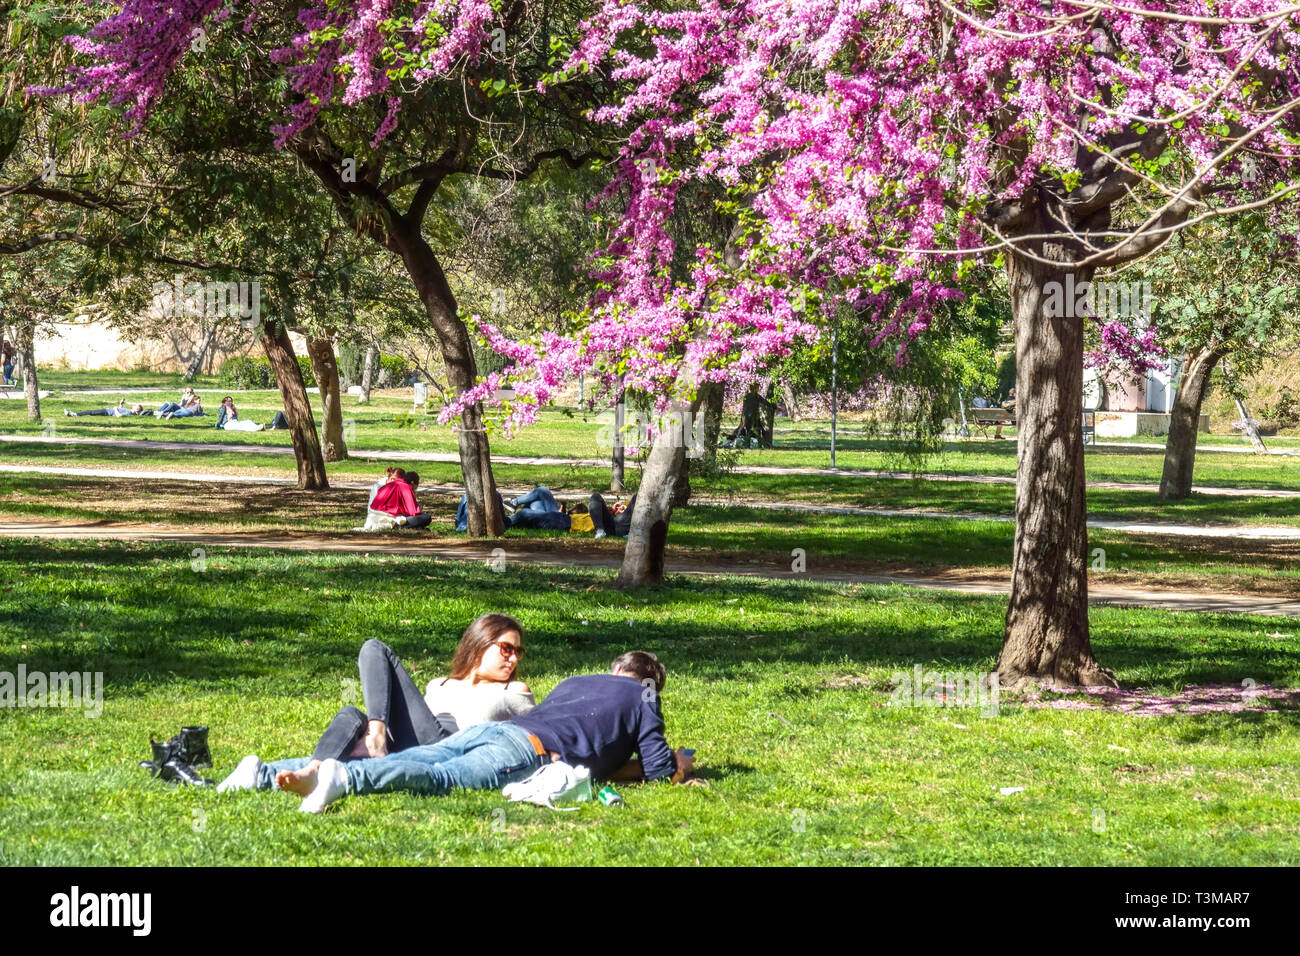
(641, 666)
(412, 479)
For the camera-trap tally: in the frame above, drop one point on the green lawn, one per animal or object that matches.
(783, 688)
(569, 433)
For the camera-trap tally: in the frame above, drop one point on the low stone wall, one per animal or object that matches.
(1131, 424)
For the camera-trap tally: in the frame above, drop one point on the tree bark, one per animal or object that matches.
(1046, 635)
(643, 558)
(710, 403)
(27, 355)
(197, 362)
(485, 517)
(368, 373)
(1184, 419)
(1248, 424)
(682, 484)
(617, 461)
(297, 408)
(791, 400)
(326, 367)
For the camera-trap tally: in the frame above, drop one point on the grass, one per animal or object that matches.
(782, 688)
(700, 533)
(569, 433)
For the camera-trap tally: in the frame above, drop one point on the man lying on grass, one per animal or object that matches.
(597, 720)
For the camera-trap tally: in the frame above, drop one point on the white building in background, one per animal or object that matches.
(1126, 408)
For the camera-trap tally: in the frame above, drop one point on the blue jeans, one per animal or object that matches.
(486, 757)
(462, 512)
(187, 412)
(166, 407)
(539, 499)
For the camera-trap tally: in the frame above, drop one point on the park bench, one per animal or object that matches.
(984, 417)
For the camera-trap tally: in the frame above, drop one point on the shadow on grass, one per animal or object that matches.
(145, 617)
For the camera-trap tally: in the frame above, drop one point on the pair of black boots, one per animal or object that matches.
(175, 760)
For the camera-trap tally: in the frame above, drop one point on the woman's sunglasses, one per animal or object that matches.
(509, 650)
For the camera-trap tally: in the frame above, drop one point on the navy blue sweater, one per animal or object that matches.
(600, 720)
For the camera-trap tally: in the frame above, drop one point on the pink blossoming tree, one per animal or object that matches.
(874, 150)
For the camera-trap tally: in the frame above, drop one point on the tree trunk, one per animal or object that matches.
(643, 558)
(1046, 635)
(326, 367)
(368, 373)
(769, 417)
(197, 362)
(791, 400)
(617, 460)
(710, 403)
(1184, 419)
(27, 355)
(297, 408)
(485, 517)
(1248, 423)
(682, 484)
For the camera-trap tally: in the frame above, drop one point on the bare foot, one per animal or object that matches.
(376, 739)
(301, 782)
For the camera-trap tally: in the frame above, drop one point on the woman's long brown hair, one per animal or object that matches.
(476, 640)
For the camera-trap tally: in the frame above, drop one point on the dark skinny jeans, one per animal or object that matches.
(602, 519)
(391, 696)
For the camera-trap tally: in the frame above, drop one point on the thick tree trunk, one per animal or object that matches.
(27, 356)
(1184, 419)
(682, 485)
(643, 558)
(326, 367)
(197, 362)
(368, 373)
(297, 408)
(485, 517)
(1046, 634)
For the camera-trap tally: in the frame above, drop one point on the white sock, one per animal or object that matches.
(244, 777)
(331, 785)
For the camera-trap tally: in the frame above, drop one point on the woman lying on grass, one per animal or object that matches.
(480, 689)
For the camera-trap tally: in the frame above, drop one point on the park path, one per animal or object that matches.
(1232, 531)
(518, 552)
(453, 458)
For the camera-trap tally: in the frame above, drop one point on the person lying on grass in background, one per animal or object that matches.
(228, 418)
(540, 509)
(117, 411)
(596, 720)
(393, 504)
(481, 688)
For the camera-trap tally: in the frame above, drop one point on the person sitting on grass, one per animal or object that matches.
(228, 418)
(393, 504)
(613, 520)
(117, 411)
(481, 688)
(596, 720)
(187, 397)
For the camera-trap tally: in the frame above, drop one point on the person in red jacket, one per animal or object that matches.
(397, 498)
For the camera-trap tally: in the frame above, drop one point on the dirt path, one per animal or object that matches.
(452, 458)
(570, 554)
(1226, 531)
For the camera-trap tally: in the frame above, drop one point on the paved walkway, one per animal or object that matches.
(1201, 602)
(1233, 531)
(453, 458)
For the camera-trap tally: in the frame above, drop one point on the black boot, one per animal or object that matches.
(176, 771)
(162, 752)
(194, 746)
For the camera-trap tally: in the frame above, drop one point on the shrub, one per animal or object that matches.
(244, 373)
(398, 369)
